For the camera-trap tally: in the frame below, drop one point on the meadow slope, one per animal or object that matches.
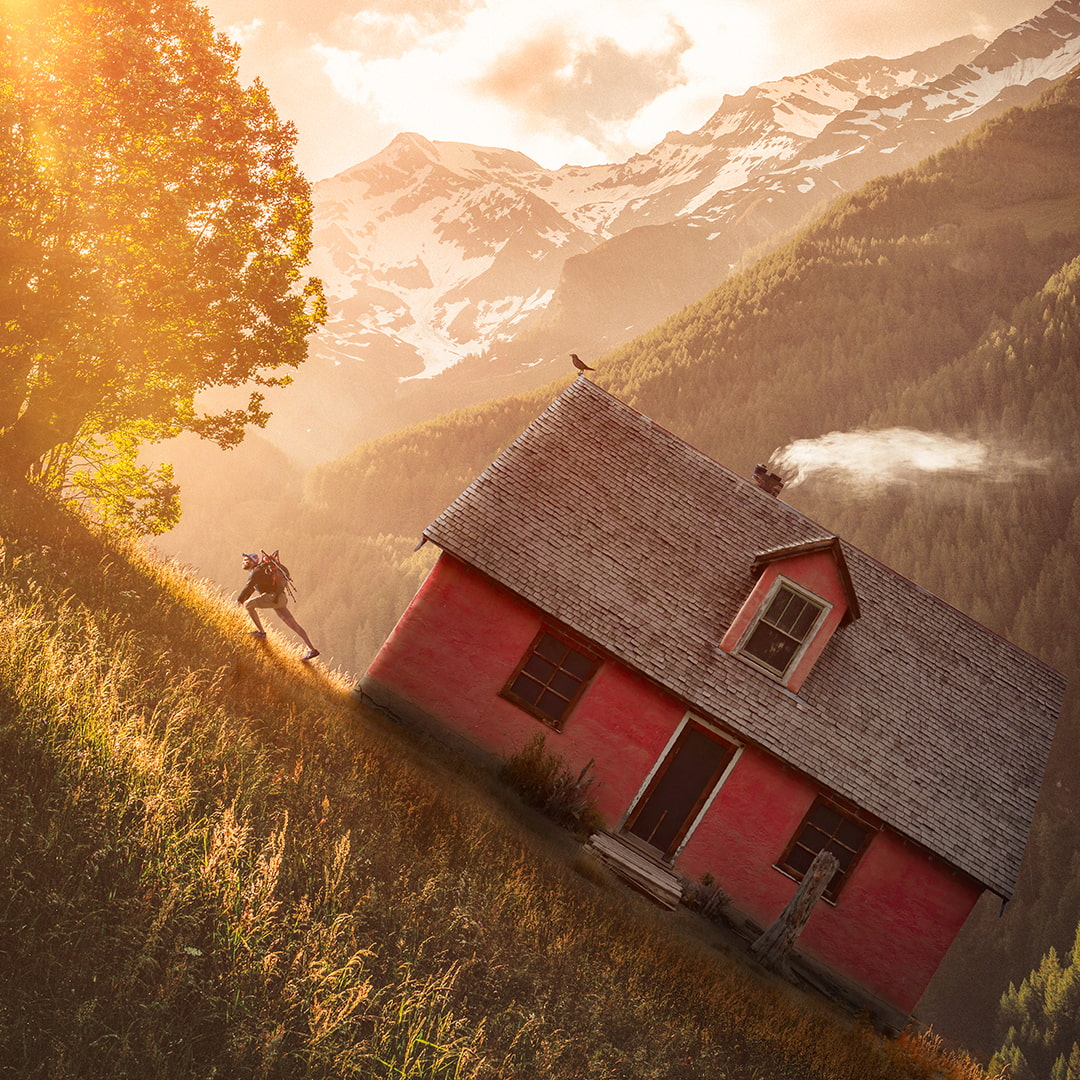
(215, 862)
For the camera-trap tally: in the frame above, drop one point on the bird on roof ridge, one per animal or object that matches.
(579, 363)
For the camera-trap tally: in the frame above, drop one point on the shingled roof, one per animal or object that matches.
(630, 536)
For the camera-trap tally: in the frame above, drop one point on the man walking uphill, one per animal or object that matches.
(270, 590)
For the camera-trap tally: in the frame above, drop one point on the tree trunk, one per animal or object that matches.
(47, 422)
(14, 372)
(775, 945)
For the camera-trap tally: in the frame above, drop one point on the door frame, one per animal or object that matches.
(654, 775)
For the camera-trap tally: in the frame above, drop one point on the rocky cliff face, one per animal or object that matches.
(458, 272)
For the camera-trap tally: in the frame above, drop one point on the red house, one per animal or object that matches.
(751, 688)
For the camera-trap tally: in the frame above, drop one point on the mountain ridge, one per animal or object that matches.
(458, 272)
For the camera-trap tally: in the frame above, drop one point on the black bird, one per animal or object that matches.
(579, 363)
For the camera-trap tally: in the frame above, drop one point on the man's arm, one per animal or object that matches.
(249, 588)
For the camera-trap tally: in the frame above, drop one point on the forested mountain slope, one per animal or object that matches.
(1002, 545)
(945, 299)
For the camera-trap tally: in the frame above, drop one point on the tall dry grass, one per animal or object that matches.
(214, 863)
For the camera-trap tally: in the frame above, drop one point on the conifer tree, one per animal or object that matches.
(1042, 1016)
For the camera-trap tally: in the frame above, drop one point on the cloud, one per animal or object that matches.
(587, 87)
(391, 28)
(599, 80)
(562, 81)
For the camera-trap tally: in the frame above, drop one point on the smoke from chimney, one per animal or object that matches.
(867, 459)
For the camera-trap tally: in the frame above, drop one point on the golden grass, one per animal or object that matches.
(214, 862)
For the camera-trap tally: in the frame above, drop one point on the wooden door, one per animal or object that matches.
(678, 790)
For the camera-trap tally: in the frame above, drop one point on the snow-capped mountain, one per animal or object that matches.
(456, 272)
(916, 121)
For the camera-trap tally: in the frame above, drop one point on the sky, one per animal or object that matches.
(564, 81)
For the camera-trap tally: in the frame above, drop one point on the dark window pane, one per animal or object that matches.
(785, 619)
(813, 838)
(851, 835)
(797, 617)
(564, 684)
(551, 648)
(540, 669)
(843, 855)
(805, 621)
(771, 647)
(578, 665)
(551, 705)
(827, 818)
(525, 688)
(799, 860)
(778, 606)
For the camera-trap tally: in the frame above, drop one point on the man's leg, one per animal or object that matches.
(253, 605)
(289, 620)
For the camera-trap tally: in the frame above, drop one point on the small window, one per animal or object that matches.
(782, 630)
(826, 828)
(551, 678)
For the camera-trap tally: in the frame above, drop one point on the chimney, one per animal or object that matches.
(766, 480)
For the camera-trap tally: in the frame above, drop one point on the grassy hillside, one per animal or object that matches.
(214, 862)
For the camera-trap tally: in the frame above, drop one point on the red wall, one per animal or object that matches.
(895, 916)
(453, 651)
(456, 646)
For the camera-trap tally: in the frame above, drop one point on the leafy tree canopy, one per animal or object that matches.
(153, 228)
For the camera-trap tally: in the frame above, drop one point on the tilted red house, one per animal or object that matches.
(751, 688)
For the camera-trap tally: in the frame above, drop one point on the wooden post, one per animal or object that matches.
(774, 946)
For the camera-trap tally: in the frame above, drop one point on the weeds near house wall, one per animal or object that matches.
(706, 897)
(544, 781)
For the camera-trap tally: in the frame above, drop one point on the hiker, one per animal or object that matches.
(270, 589)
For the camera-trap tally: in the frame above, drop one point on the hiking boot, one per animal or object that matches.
(310, 654)
(257, 633)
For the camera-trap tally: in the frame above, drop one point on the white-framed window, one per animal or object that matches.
(783, 628)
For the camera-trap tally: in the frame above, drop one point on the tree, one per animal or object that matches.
(1041, 1018)
(153, 228)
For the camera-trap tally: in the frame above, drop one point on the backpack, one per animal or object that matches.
(279, 574)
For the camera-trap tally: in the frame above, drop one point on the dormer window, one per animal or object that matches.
(782, 629)
(789, 617)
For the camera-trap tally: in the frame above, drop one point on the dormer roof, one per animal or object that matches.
(916, 713)
(832, 545)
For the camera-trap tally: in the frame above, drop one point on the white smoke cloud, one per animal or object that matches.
(870, 459)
